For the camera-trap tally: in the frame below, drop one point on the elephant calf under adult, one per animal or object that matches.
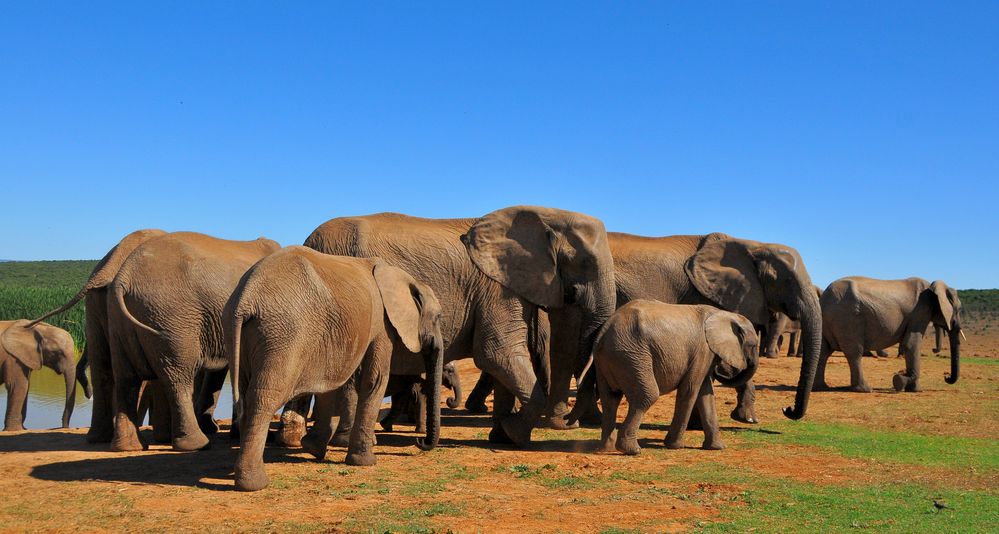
(23, 350)
(304, 322)
(648, 349)
(860, 313)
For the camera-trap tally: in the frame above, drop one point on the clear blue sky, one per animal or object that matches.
(866, 134)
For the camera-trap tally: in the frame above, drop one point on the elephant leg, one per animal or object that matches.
(686, 399)
(745, 407)
(820, 369)
(126, 399)
(293, 421)
(558, 409)
(347, 411)
(398, 405)
(854, 357)
(792, 344)
(259, 404)
(641, 396)
(908, 380)
(207, 398)
(370, 389)
(316, 441)
(178, 384)
(16, 378)
(102, 380)
(518, 378)
(610, 400)
(159, 411)
(476, 400)
(503, 406)
(709, 419)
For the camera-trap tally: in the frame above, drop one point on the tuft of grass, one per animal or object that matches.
(890, 447)
(28, 289)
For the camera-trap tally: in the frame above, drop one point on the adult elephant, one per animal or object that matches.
(96, 351)
(861, 313)
(24, 349)
(738, 275)
(491, 276)
(165, 320)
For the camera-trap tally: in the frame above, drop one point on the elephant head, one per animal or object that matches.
(44, 344)
(734, 341)
(415, 314)
(752, 279)
(945, 311)
(552, 258)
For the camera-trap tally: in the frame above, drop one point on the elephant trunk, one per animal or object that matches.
(741, 377)
(955, 355)
(811, 338)
(434, 364)
(69, 373)
(455, 401)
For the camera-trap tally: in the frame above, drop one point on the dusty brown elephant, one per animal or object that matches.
(648, 349)
(304, 322)
(492, 275)
(780, 327)
(165, 322)
(96, 352)
(861, 313)
(738, 275)
(24, 349)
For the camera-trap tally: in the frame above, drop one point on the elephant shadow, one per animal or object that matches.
(208, 469)
(48, 441)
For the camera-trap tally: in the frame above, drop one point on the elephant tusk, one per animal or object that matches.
(964, 337)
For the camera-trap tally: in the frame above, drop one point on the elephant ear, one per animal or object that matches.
(724, 271)
(20, 343)
(517, 248)
(725, 332)
(401, 298)
(939, 289)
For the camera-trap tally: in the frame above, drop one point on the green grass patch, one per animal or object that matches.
(890, 447)
(977, 361)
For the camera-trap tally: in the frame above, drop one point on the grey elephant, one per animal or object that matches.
(738, 275)
(24, 349)
(165, 321)
(492, 276)
(96, 352)
(648, 349)
(861, 313)
(409, 397)
(304, 322)
(779, 327)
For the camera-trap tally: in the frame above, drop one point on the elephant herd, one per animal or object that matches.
(384, 303)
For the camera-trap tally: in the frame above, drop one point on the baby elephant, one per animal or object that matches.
(305, 322)
(648, 348)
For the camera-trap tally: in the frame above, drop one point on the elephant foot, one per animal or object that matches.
(365, 458)
(742, 415)
(672, 443)
(558, 422)
(498, 436)
(628, 446)
(191, 442)
(251, 480)
(860, 388)
(208, 425)
(129, 444)
(386, 425)
(340, 439)
(14, 427)
(899, 382)
(476, 408)
(315, 445)
(292, 429)
(772, 356)
(715, 445)
(517, 430)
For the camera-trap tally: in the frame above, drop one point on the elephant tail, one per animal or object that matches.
(232, 349)
(72, 302)
(119, 295)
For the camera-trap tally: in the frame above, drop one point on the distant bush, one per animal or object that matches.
(28, 289)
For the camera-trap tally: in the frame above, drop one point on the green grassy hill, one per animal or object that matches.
(28, 289)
